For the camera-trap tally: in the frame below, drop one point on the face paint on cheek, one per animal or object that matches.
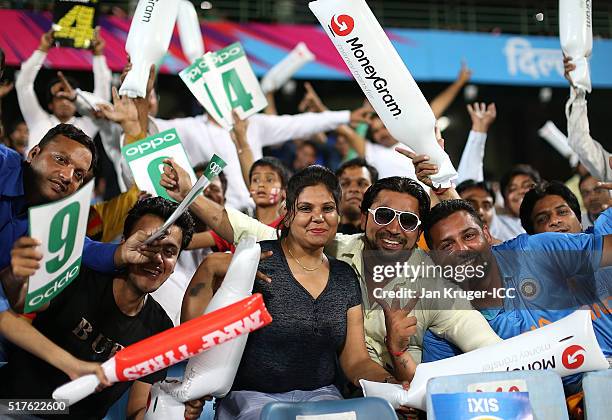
(274, 195)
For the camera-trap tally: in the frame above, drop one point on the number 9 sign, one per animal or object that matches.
(60, 226)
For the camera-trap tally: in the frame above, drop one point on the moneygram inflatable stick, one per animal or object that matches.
(189, 31)
(286, 68)
(576, 34)
(567, 346)
(147, 42)
(383, 77)
(170, 347)
(558, 140)
(213, 372)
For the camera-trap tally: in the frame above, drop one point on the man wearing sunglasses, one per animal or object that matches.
(391, 213)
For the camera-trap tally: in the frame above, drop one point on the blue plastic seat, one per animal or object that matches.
(545, 390)
(597, 397)
(364, 408)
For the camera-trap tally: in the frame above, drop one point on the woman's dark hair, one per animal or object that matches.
(276, 165)
(398, 184)
(163, 208)
(73, 133)
(443, 210)
(308, 177)
(358, 163)
(540, 191)
(468, 184)
(520, 169)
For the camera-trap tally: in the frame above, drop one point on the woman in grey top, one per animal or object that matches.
(315, 302)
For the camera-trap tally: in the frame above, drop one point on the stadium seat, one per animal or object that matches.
(597, 401)
(545, 390)
(364, 408)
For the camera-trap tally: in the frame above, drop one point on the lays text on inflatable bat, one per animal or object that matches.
(246, 325)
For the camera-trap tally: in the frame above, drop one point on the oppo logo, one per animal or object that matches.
(573, 357)
(342, 25)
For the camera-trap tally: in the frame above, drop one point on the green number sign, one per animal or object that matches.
(62, 233)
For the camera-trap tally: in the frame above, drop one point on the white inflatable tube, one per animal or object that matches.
(213, 372)
(384, 78)
(282, 71)
(189, 31)
(147, 42)
(576, 35)
(91, 100)
(162, 406)
(567, 346)
(558, 140)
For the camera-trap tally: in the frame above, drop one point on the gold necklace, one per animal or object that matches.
(300, 264)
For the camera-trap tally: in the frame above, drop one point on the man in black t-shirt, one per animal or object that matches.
(99, 314)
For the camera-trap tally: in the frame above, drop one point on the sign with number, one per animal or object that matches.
(223, 81)
(146, 160)
(74, 22)
(482, 406)
(60, 227)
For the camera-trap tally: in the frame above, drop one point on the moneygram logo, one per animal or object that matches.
(342, 25)
(573, 357)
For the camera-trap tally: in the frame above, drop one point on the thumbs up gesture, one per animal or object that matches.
(400, 326)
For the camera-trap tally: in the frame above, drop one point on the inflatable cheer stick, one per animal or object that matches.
(576, 35)
(147, 42)
(189, 31)
(558, 140)
(170, 347)
(280, 74)
(213, 372)
(162, 406)
(567, 346)
(383, 77)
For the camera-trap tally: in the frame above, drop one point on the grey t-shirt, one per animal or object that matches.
(299, 349)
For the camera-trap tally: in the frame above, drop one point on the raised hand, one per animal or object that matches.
(311, 101)
(423, 167)
(482, 116)
(25, 257)
(175, 180)
(568, 66)
(465, 74)
(134, 251)
(46, 41)
(400, 327)
(66, 90)
(238, 132)
(98, 42)
(123, 110)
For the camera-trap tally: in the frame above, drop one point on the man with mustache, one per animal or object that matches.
(355, 177)
(545, 275)
(391, 212)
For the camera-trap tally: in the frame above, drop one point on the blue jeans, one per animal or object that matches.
(247, 405)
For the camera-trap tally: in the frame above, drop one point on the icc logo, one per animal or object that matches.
(342, 25)
(573, 357)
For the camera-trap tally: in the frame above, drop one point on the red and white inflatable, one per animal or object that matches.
(212, 373)
(172, 346)
(567, 346)
(148, 42)
(189, 31)
(384, 79)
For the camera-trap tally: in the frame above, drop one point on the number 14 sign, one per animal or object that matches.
(60, 227)
(223, 81)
